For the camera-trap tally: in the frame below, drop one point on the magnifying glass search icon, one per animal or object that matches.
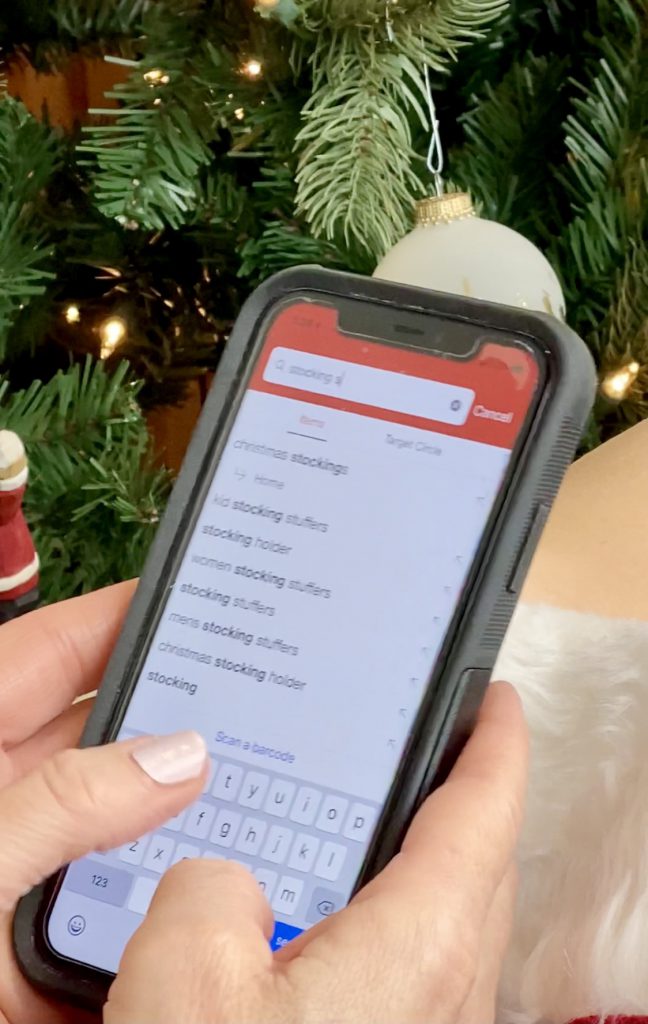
(280, 365)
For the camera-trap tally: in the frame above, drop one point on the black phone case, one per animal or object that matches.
(464, 667)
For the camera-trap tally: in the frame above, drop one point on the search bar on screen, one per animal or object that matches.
(368, 385)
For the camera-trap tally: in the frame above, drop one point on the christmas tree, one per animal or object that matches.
(242, 138)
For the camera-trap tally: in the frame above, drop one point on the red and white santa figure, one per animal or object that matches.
(18, 558)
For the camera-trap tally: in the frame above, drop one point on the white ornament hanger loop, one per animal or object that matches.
(435, 159)
(389, 22)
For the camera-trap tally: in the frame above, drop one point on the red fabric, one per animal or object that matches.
(611, 1020)
(16, 546)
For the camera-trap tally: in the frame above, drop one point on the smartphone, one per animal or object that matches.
(326, 596)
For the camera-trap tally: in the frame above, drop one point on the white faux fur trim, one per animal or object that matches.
(9, 582)
(12, 483)
(580, 943)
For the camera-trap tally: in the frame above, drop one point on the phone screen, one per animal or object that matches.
(308, 610)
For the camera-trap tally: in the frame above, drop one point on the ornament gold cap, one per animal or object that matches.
(444, 208)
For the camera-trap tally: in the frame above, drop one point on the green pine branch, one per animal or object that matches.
(606, 178)
(623, 335)
(358, 171)
(621, 340)
(47, 33)
(355, 174)
(94, 498)
(89, 20)
(282, 245)
(511, 133)
(447, 21)
(29, 155)
(152, 149)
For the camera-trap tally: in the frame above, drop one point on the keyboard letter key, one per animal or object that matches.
(132, 853)
(227, 782)
(199, 820)
(159, 853)
(302, 855)
(185, 851)
(279, 798)
(330, 861)
(277, 844)
(254, 790)
(224, 831)
(266, 880)
(251, 836)
(359, 823)
(305, 806)
(287, 895)
(332, 811)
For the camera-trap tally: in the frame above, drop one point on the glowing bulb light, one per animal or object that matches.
(616, 384)
(239, 113)
(252, 68)
(73, 314)
(156, 77)
(112, 332)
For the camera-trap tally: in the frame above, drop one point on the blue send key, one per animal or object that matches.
(282, 934)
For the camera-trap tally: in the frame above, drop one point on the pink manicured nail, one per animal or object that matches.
(171, 759)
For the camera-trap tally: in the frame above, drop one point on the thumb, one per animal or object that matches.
(93, 799)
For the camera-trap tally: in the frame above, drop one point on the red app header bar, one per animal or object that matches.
(484, 399)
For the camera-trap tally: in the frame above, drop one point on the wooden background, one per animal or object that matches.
(67, 96)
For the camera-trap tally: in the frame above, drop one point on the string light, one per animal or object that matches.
(112, 332)
(616, 384)
(73, 314)
(239, 113)
(252, 68)
(156, 76)
(267, 4)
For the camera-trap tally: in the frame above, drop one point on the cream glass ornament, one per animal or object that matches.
(452, 250)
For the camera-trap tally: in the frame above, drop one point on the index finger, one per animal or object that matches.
(55, 654)
(462, 840)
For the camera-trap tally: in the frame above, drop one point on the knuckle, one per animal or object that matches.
(70, 788)
(439, 945)
(197, 871)
(447, 957)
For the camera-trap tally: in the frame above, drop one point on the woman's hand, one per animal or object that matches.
(423, 942)
(57, 804)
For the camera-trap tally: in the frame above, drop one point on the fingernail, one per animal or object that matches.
(171, 759)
